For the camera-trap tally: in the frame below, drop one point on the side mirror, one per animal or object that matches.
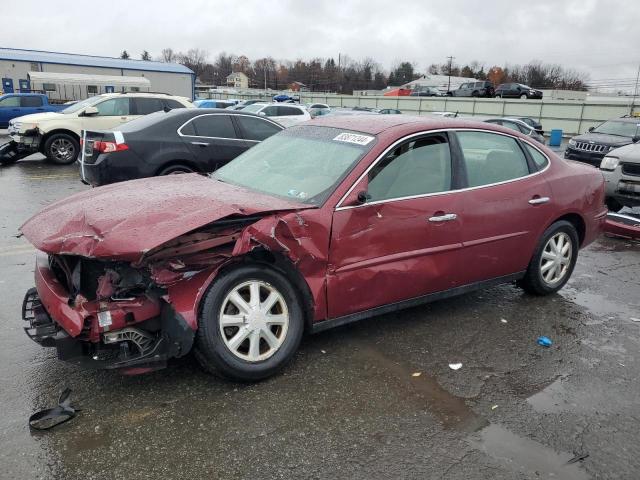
(591, 129)
(636, 139)
(262, 113)
(90, 111)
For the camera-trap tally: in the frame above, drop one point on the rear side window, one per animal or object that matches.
(256, 128)
(145, 106)
(286, 111)
(271, 111)
(31, 101)
(171, 104)
(416, 167)
(219, 126)
(538, 158)
(491, 158)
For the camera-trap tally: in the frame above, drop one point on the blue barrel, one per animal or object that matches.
(555, 138)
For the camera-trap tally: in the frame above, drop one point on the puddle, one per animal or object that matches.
(450, 410)
(552, 399)
(524, 455)
(597, 304)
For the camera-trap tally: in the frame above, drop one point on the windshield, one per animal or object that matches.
(621, 129)
(303, 163)
(253, 108)
(80, 105)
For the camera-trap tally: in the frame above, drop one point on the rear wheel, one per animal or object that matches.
(523, 96)
(497, 95)
(250, 325)
(61, 149)
(176, 169)
(613, 205)
(553, 260)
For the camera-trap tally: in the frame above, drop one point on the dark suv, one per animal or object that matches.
(517, 90)
(473, 89)
(594, 145)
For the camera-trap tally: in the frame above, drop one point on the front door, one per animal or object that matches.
(506, 207)
(213, 140)
(111, 113)
(405, 239)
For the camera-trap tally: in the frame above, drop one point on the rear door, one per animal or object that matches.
(507, 205)
(256, 129)
(405, 241)
(146, 105)
(213, 140)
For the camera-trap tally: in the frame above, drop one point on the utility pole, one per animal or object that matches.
(635, 92)
(265, 77)
(449, 72)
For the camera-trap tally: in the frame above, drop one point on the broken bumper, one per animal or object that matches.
(90, 333)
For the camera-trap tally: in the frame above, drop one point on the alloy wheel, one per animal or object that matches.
(254, 320)
(555, 261)
(62, 149)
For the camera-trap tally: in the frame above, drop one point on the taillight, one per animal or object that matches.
(108, 147)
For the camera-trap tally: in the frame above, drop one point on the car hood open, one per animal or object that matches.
(125, 220)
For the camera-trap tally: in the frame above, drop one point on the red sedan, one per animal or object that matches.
(325, 223)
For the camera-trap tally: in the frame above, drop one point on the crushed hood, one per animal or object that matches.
(125, 220)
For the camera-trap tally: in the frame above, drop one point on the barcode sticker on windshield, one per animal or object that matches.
(354, 138)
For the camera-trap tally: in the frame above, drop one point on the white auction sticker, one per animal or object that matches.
(354, 138)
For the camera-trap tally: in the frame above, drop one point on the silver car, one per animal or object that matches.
(621, 170)
(518, 126)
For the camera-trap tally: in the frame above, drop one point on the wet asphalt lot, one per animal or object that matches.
(349, 405)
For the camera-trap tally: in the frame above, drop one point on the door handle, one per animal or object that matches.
(447, 217)
(200, 144)
(539, 200)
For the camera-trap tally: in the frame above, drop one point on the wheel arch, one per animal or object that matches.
(577, 221)
(171, 163)
(56, 131)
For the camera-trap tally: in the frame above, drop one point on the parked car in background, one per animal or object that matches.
(443, 114)
(388, 111)
(57, 134)
(286, 98)
(592, 146)
(213, 104)
(318, 109)
(245, 103)
(518, 126)
(14, 105)
(537, 126)
(426, 92)
(191, 140)
(517, 90)
(473, 89)
(621, 170)
(323, 224)
(285, 115)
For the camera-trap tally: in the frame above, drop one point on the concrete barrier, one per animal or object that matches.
(570, 116)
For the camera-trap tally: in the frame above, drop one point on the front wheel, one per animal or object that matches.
(250, 325)
(553, 260)
(61, 149)
(523, 96)
(176, 169)
(497, 95)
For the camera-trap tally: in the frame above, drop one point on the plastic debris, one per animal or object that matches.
(416, 374)
(50, 417)
(455, 366)
(634, 319)
(503, 320)
(578, 458)
(494, 407)
(323, 351)
(544, 341)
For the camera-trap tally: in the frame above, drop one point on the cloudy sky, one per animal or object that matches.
(600, 37)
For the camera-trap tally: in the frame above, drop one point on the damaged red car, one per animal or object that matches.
(323, 224)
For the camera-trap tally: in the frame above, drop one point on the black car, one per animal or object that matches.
(178, 141)
(426, 92)
(594, 145)
(517, 90)
(473, 89)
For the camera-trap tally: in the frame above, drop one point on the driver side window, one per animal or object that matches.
(417, 167)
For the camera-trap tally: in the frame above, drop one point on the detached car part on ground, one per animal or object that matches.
(191, 140)
(621, 170)
(591, 147)
(320, 225)
(57, 134)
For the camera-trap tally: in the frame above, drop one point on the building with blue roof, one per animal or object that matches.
(81, 76)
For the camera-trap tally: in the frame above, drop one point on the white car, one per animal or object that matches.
(286, 114)
(57, 134)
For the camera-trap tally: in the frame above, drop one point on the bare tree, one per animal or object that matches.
(195, 59)
(167, 55)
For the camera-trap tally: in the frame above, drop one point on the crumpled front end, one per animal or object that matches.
(135, 315)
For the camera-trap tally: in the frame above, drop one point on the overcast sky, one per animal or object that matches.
(597, 36)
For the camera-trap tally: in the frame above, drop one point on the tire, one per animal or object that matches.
(523, 96)
(176, 169)
(613, 205)
(497, 96)
(217, 349)
(475, 94)
(534, 281)
(61, 149)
